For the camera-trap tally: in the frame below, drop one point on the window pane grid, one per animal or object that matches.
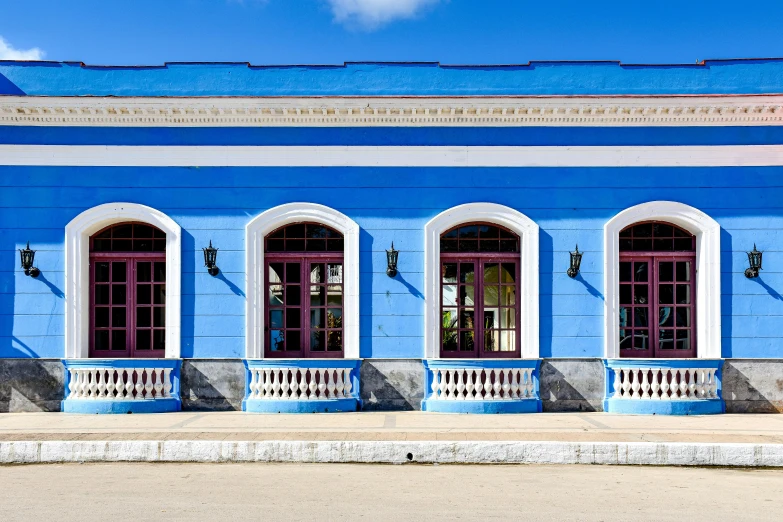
(479, 237)
(305, 237)
(656, 237)
(129, 237)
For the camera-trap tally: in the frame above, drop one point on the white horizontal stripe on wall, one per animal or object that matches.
(392, 156)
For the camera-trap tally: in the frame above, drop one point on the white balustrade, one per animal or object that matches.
(667, 384)
(300, 384)
(119, 384)
(477, 384)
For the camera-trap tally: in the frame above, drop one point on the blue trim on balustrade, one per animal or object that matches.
(532, 405)
(169, 404)
(663, 407)
(349, 404)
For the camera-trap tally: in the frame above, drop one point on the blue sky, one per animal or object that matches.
(150, 32)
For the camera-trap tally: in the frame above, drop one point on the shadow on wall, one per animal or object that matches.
(28, 385)
(9, 88)
(212, 385)
(399, 388)
(727, 289)
(558, 394)
(753, 385)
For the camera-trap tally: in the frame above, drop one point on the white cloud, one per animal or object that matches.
(371, 14)
(8, 52)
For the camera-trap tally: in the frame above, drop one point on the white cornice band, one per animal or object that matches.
(392, 156)
(628, 111)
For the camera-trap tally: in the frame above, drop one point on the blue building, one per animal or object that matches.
(550, 236)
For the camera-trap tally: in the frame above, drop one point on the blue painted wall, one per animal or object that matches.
(570, 204)
(373, 79)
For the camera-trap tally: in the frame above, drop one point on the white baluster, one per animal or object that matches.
(683, 385)
(339, 384)
(635, 385)
(452, 385)
(479, 386)
(330, 387)
(655, 387)
(664, 384)
(487, 385)
(303, 384)
(93, 384)
(266, 384)
(506, 383)
(626, 383)
(275, 384)
(129, 384)
(110, 384)
(253, 383)
(158, 373)
(701, 389)
(313, 385)
(470, 386)
(714, 384)
(496, 387)
(692, 383)
(645, 384)
(460, 386)
(529, 383)
(148, 387)
(322, 384)
(617, 384)
(348, 384)
(72, 383)
(435, 386)
(285, 387)
(120, 384)
(101, 384)
(167, 382)
(515, 383)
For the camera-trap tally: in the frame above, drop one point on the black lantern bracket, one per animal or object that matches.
(210, 259)
(576, 262)
(28, 258)
(391, 261)
(754, 259)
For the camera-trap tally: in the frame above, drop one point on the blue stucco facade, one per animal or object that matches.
(571, 204)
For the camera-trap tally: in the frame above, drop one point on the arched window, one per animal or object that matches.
(128, 291)
(303, 275)
(657, 291)
(479, 266)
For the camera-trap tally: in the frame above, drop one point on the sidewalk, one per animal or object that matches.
(593, 438)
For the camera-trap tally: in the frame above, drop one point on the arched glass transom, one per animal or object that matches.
(305, 288)
(128, 291)
(657, 291)
(479, 286)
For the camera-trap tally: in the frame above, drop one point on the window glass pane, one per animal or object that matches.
(449, 340)
(118, 317)
(101, 245)
(491, 273)
(625, 271)
(508, 273)
(683, 317)
(315, 245)
(468, 245)
(491, 318)
(317, 273)
(334, 296)
(642, 245)
(448, 245)
(508, 340)
(466, 295)
(118, 294)
(641, 339)
(640, 294)
(275, 295)
(317, 340)
(143, 294)
(491, 341)
(683, 245)
(317, 295)
(640, 272)
(449, 318)
(508, 318)
(143, 271)
(275, 245)
(666, 316)
(293, 318)
(294, 341)
(276, 318)
(683, 340)
(159, 339)
(665, 339)
(102, 272)
(626, 339)
(509, 245)
(665, 294)
(335, 341)
(663, 245)
(277, 340)
(625, 294)
(292, 273)
(466, 318)
(102, 339)
(118, 339)
(159, 317)
(491, 295)
(142, 245)
(159, 294)
(160, 245)
(488, 231)
(142, 231)
(143, 340)
(508, 295)
(317, 318)
(297, 230)
(625, 316)
(449, 272)
(276, 272)
(160, 272)
(468, 232)
(466, 341)
(293, 295)
(644, 230)
(143, 317)
(102, 294)
(466, 273)
(683, 271)
(123, 231)
(295, 245)
(335, 273)
(489, 245)
(118, 272)
(663, 230)
(666, 271)
(335, 245)
(640, 317)
(334, 318)
(121, 245)
(101, 317)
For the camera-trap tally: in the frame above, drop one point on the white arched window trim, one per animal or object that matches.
(528, 300)
(77, 272)
(269, 221)
(707, 232)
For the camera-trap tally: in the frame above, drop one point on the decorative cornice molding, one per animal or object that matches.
(393, 112)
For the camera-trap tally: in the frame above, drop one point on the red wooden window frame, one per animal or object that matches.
(297, 286)
(463, 326)
(657, 284)
(132, 308)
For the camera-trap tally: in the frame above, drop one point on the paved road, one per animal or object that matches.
(410, 492)
(410, 426)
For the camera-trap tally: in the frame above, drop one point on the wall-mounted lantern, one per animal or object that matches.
(754, 258)
(391, 261)
(210, 259)
(28, 257)
(576, 261)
